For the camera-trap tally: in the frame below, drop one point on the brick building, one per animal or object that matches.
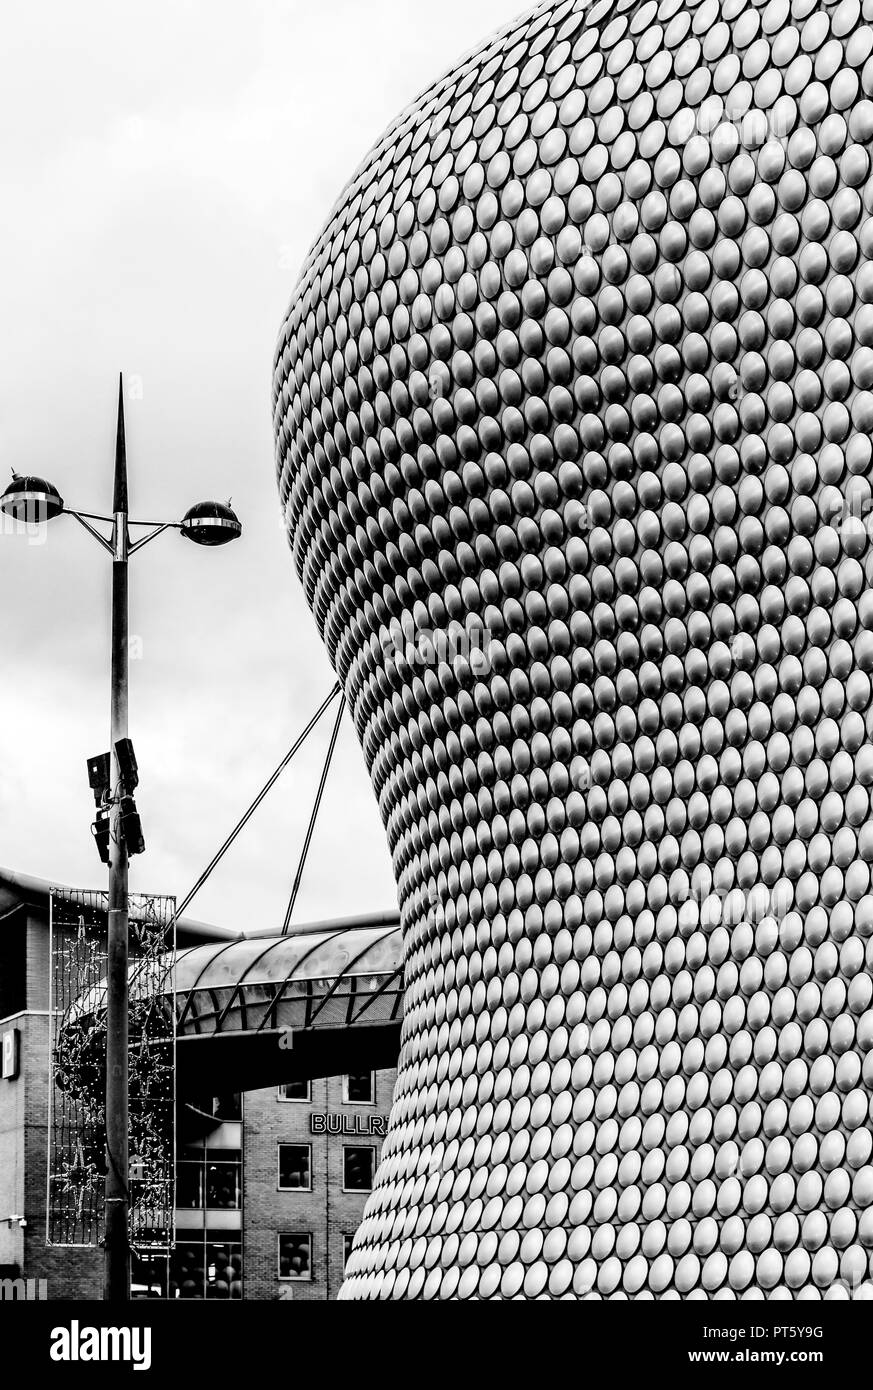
(24, 1033)
(270, 1186)
(309, 1157)
(23, 1169)
(270, 1191)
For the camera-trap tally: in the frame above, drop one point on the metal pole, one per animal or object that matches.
(116, 1271)
(312, 819)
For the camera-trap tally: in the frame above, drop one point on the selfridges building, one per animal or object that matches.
(573, 411)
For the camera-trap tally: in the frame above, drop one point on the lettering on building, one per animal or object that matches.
(325, 1122)
(9, 1053)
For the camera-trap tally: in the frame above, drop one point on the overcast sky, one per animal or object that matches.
(164, 170)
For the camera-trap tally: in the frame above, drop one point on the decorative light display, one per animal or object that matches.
(152, 1072)
(77, 1082)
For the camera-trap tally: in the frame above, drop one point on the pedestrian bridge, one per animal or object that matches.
(262, 1010)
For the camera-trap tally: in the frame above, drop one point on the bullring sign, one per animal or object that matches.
(326, 1123)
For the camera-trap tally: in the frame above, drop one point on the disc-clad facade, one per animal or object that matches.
(573, 410)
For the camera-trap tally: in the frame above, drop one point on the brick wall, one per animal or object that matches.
(24, 1143)
(12, 1120)
(38, 962)
(23, 1168)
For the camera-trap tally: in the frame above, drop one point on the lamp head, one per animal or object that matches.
(211, 523)
(31, 500)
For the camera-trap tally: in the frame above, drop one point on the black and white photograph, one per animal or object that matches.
(436, 720)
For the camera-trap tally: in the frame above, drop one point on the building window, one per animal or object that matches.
(223, 1269)
(209, 1178)
(148, 1275)
(223, 1185)
(358, 1164)
(359, 1088)
(295, 1255)
(295, 1167)
(190, 1184)
(348, 1242)
(207, 1267)
(225, 1108)
(295, 1090)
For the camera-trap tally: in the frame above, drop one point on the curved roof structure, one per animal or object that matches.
(313, 1003)
(330, 978)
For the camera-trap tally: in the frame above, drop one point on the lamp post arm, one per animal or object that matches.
(92, 530)
(95, 516)
(159, 526)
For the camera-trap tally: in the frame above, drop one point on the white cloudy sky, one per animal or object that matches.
(164, 169)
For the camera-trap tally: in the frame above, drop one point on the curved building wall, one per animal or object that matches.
(573, 412)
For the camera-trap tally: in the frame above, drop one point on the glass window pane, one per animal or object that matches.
(208, 1269)
(294, 1167)
(358, 1169)
(148, 1276)
(359, 1088)
(223, 1185)
(294, 1090)
(186, 1271)
(295, 1255)
(227, 1108)
(189, 1185)
(223, 1271)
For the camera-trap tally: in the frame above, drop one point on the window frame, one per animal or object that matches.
(295, 1278)
(291, 1144)
(372, 1149)
(200, 1241)
(202, 1159)
(295, 1100)
(345, 1091)
(236, 1165)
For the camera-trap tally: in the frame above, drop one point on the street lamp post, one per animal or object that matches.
(32, 500)
(116, 1275)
